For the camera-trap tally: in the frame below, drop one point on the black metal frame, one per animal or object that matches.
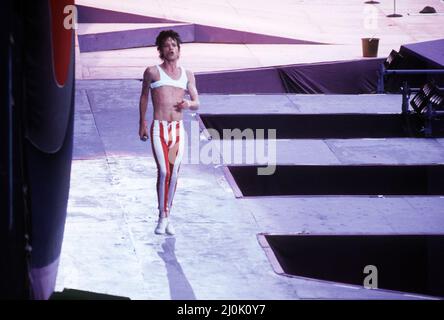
(430, 113)
(383, 72)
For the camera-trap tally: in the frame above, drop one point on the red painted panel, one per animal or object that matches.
(61, 39)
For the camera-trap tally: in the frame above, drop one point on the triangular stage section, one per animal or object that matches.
(209, 34)
(144, 37)
(96, 15)
(135, 38)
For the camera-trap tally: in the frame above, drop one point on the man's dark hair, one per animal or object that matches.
(165, 34)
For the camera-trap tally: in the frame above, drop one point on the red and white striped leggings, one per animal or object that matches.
(167, 142)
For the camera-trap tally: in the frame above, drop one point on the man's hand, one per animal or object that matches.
(143, 132)
(184, 104)
(194, 103)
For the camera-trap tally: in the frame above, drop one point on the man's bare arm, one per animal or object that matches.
(143, 103)
(193, 92)
(194, 103)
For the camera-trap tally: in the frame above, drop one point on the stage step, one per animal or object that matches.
(408, 263)
(336, 180)
(320, 126)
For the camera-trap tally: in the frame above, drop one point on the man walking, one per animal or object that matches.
(168, 83)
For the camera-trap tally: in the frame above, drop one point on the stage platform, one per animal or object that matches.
(109, 244)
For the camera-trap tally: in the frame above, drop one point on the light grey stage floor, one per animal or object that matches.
(109, 244)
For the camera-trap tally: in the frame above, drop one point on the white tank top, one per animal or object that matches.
(165, 80)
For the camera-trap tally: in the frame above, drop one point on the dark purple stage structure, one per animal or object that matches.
(349, 77)
(417, 56)
(37, 137)
(431, 53)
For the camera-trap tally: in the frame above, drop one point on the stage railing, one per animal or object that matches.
(383, 72)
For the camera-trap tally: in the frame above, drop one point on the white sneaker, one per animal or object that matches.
(170, 229)
(161, 226)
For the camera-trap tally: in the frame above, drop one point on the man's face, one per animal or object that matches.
(170, 50)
